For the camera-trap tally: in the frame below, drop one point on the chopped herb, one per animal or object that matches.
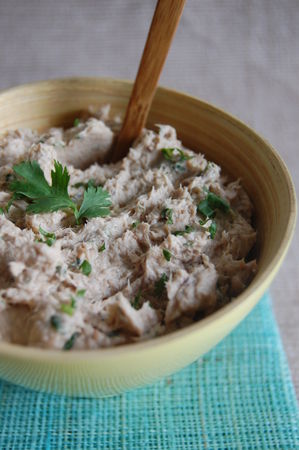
(71, 341)
(166, 214)
(42, 197)
(46, 233)
(175, 155)
(50, 237)
(160, 285)
(58, 269)
(80, 292)
(135, 224)
(76, 122)
(69, 308)
(204, 208)
(212, 229)
(210, 204)
(136, 301)
(55, 321)
(1, 210)
(167, 255)
(102, 248)
(188, 229)
(86, 268)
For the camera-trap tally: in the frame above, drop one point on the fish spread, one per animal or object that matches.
(95, 255)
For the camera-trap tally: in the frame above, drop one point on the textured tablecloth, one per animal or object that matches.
(238, 396)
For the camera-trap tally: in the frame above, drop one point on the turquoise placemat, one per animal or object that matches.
(238, 396)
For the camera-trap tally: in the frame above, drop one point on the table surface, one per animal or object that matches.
(242, 56)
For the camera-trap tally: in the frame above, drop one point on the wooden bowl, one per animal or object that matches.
(202, 127)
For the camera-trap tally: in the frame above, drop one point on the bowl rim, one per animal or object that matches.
(256, 288)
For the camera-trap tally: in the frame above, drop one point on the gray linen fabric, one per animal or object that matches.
(241, 55)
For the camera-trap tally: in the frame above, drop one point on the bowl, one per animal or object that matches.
(201, 127)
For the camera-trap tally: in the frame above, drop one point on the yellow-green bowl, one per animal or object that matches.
(202, 127)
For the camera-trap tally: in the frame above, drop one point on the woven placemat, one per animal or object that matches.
(238, 396)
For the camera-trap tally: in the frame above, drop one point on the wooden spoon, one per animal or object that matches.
(161, 33)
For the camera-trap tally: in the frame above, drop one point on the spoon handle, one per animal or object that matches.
(164, 24)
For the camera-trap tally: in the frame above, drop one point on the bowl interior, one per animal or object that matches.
(200, 126)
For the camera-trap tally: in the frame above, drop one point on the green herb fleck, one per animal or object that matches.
(166, 214)
(188, 229)
(50, 237)
(86, 268)
(135, 224)
(160, 285)
(55, 322)
(167, 255)
(210, 204)
(69, 308)
(76, 122)
(136, 301)
(175, 155)
(71, 341)
(1, 210)
(80, 292)
(102, 248)
(212, 229)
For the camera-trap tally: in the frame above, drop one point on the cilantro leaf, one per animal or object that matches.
(33, 183)
(33, 186)
(96, 202)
